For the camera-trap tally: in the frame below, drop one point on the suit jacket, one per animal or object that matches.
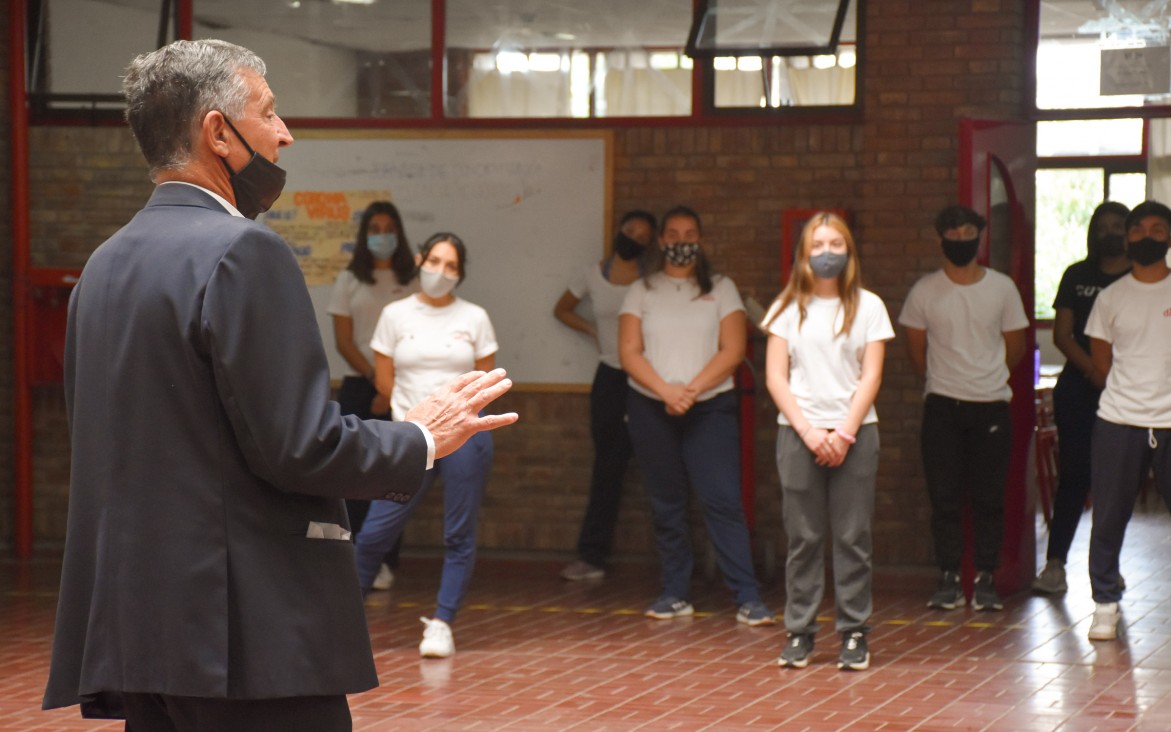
(204, 442)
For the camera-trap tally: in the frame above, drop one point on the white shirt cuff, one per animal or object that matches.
(430, 444)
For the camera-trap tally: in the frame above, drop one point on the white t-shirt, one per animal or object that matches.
(965, 327)
(1135, 319)
(607, 300)
(681, 328)
(363, 303)
(825, 368)
(430, 346)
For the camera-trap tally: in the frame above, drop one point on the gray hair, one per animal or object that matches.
(170, 91)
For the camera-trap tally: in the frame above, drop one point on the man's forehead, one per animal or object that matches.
(1150, 222)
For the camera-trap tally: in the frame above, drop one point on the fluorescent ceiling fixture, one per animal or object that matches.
(564, 36)
(354, 2)
(847, 59)
(826, 61)
(664, 60)
(749, 63)
(508, 62)
(724, 63)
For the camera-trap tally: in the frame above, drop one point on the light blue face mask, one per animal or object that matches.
(382, 245)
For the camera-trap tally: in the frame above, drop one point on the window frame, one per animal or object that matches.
(703, 109)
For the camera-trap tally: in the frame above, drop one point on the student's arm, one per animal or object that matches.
(1068, 345)
(635, 363)
(1014, 347)
(1102, 354)
(487, 363)
(564, 311)
(917, 350)
(384, 374)
(777, 380)
(863, 399)
(728, 357)
(343, 337)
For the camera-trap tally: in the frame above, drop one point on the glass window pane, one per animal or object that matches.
(1065, 200)
(1128, 188)
(333, 59)
(1070, 62)
(1090, 137)
(126, 29)
(769, 26)
(520, 58)
(791, 81)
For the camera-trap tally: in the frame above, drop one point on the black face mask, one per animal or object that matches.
(1111, 245)
(258, 184)
(1146, 251)
(627, 248)
(960, 251)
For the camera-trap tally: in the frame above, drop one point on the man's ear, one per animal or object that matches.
(214, 133)
(419, 259)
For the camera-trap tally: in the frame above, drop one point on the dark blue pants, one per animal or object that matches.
(612, 452)
(465, 475)
(700, 449)
(1075, 404)
(1122, 457)
(966, 447)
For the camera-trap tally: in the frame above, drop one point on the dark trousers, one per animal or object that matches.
(165, 713)
(700, 449)
(1075, 404)
(1122, 457)
(612, 452)
(966, 448)
(354, 397)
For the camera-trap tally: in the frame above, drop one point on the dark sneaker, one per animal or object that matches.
(797, 651)
(855, 656)
(581, 570)
(984, 595)
(950, 595)
(666, 608)
(1051, 580)
(754, 614)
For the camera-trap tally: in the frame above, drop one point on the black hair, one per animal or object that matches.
(639, 214)
(1145, 209)
(461, 251)
(953, 217)
(401, 261)
(1106, 208)
(703, 267)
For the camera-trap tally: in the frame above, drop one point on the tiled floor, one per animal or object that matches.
(537, 653)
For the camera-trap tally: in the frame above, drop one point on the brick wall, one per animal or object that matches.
(964, 58)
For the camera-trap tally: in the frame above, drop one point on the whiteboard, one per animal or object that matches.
(532, 208)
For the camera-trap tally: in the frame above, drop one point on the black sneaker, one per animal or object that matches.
(855, 656)
(797, 651)
(950, 595)
(984, 595)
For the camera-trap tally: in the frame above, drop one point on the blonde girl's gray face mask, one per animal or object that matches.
(436, 284)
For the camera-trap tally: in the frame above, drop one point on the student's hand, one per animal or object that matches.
(815, 439)
(837, 448)
(678, 399)
(380, 405)
(451, 414)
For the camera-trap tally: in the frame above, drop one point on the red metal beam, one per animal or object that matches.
(22, 494)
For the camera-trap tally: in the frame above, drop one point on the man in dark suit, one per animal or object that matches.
(208, 581)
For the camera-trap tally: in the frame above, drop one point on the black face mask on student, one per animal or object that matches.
(960, 251)
(1146, 251)
(258, 184)
(626, 248)
(1111, 245)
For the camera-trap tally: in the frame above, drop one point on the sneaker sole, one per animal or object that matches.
(435, 654)
(945, 606)
(1051, 590)
(783, 663)
(862, 666)
(756, 623)
(668, 616)
(584, 577)
(1103, 636)
(987, 608)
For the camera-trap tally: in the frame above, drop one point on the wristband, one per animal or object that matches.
(847, 437)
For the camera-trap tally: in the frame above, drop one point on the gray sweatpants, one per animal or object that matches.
(820, 500)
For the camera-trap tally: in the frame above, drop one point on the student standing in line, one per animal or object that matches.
(1075, 397)
(418, 341)
(681, 337)
(606, 284)
(965, 330)
(1130, 342)
(827, 338)
(381, 271)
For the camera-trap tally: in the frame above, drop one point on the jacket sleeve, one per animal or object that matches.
(259, 330)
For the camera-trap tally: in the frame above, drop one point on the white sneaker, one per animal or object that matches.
(384, 579)
(1051, 580)
(437, 640)
(1105, 625)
